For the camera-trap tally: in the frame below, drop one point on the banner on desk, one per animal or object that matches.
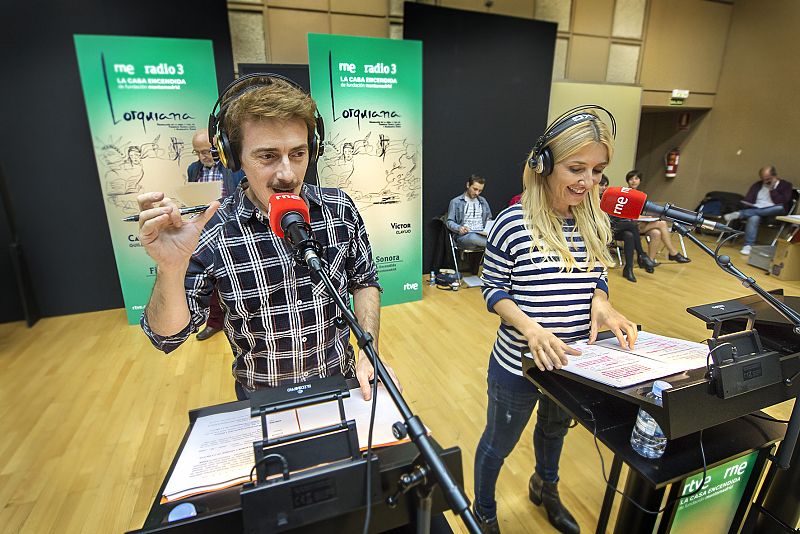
(369, 93)
(713, 508)
(145, 97)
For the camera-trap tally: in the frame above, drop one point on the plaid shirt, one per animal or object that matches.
(279, 323)
(212, 174)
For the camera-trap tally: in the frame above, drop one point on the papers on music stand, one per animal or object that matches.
(653, 357)
(218, 453)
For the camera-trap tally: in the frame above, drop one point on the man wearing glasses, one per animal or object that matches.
(205, 170)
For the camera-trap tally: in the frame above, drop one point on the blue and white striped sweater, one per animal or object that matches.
(556, 299)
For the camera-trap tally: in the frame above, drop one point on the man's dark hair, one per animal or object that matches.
(476, 179)
(604, 180)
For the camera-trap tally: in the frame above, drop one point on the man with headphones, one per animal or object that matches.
(281, 326)
(768, 197)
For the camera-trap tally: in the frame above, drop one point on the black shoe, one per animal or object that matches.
(646, 263)
(627, 272)
(488, 526)
(206, 333)
(540, 492)
(680, 258)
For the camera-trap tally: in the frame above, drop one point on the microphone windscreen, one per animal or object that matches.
(623, 202)
(282, 203)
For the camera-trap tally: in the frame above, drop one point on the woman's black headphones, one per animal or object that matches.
(541, 160)
(221, 149)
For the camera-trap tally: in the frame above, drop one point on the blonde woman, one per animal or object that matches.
(545, 276)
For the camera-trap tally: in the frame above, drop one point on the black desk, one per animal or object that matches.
(615, 413)
(220, 511)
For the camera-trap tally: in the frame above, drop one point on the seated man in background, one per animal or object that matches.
(768, 197)
(206, 170)
(468, 214)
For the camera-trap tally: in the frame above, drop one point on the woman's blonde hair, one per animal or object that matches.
(544, 224)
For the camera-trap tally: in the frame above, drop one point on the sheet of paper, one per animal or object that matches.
(653, 357)
(219, 451)
(689, 354)
(615, 367)
(356, 408)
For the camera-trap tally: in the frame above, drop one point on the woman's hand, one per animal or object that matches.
(547, 350)
(605, 316)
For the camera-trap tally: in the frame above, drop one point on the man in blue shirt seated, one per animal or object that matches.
(468, 214)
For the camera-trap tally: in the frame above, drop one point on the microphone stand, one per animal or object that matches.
(780, 483)
(454, 495)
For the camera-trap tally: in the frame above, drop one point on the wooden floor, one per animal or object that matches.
(92, 414)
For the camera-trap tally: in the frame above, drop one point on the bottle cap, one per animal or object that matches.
(659, 386)
(182, 511)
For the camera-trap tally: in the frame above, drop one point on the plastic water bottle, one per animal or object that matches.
(432, 280)
(647, 437)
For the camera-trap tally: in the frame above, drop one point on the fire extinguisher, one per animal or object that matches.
(671, 160)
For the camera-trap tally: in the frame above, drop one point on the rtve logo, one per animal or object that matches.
(408, 286)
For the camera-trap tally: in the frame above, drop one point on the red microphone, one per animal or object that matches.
(628, 203)
(623, 202)
(281, 204)
(290, 220)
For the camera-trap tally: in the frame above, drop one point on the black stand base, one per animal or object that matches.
(24, 286)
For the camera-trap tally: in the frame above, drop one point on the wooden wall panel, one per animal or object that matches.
(288, 31)
(357, 25)
(588, 58)
(687, 53)
(592, 17)
(379, 8)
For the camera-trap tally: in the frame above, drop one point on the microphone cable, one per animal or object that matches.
(629, 499)
(373, 409)
(669, 503)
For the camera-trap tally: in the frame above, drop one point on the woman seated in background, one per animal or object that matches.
(627, 231)
(658, 231)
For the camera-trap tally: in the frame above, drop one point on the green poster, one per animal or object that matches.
(369, 93)
(712, 509)
(145, 97)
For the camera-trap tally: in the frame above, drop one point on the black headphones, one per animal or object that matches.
(541, 160)
(221, 149)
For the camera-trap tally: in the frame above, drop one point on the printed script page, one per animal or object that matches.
(653, 357)
(219, 451)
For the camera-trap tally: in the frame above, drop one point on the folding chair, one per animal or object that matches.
(455, 250)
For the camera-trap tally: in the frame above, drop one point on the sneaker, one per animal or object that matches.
(745, 250)
(730, 217)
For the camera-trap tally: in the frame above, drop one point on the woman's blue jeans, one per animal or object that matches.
(506, 416)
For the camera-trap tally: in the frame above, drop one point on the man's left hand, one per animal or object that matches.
(604, 315)
(365, 373)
